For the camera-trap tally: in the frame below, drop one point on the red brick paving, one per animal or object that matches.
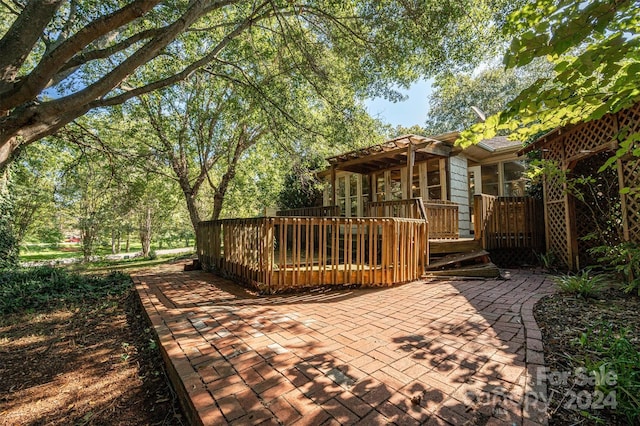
(428, 352)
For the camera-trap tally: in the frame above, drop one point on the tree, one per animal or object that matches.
(489, 90)
(34, 180)
(63, 58)
(8, 241)
(201, 131)
(595, 49)
(301, 187)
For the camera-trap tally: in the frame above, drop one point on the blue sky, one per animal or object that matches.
(406, 113)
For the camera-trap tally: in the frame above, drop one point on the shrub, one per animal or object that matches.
(624, 260)
(582, 284)
(47, 287)
(152, 255)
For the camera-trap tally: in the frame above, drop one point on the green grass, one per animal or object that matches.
(44, 252)
(104, 266)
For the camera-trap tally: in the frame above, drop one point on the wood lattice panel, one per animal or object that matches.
(590, 136)
(557, 231)
(631, 172)
(630, 119)
(554, 188)
(555, 151)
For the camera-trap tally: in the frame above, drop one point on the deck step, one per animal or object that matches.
(486, 270)
(454, 246)
(457, 260)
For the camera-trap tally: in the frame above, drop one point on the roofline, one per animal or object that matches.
(449, 137)
(542, 140)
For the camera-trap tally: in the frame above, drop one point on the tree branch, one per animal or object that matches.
(37, 80)
(18, 42)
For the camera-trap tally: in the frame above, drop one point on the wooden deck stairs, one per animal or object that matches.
(463, 257)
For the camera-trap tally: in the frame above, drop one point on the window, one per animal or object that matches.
(434, 180)
(380, 189)
(514, 182)
(353, 195)
(342, 194)
(490, 180)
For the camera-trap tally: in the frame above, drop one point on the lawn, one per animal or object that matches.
(47, 252)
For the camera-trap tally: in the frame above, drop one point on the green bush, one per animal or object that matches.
(609, 352)
(624, 260)
(583, 283)
(47, 287)
(152, 255)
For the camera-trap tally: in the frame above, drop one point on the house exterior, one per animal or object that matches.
(391, 212)
(432, 168)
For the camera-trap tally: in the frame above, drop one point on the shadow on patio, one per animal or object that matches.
(441, 352)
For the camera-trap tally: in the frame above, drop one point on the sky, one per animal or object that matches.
(407, 113)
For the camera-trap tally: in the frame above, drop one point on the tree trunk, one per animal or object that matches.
(126, 248)
(113, 241)
(145, 231)
(118, 245)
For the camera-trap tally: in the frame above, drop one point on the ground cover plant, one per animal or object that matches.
(76, 349)
(592, 352)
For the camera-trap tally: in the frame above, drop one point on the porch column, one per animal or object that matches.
(411, 158)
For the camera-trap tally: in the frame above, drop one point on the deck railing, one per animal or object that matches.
(283, 253)
(321, 211)
(443, 219)
(508, 222)
(442, 215)
(409, 209)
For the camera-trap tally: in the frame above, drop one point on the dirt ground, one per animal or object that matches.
(90, 365)
(563, 319)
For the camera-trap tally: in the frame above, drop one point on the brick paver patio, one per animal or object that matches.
(428, 352)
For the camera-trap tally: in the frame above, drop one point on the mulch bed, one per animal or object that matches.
(563, 319)
(94, 364)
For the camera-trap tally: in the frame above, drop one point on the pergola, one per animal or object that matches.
(570, 146)
(403, 151)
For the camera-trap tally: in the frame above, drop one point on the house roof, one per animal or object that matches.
(490, 147)
(394, 152)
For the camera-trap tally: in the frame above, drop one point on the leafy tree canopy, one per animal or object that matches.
(62, 58)
(489, 90)
(595, 48)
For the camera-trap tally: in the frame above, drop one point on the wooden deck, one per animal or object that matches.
(285, 253)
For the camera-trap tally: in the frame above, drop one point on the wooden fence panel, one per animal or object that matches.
(509, 222)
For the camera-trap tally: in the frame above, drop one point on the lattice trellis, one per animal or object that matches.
(577, 144)
(631, 176)
(555, 151)
(590, 136)
(557, 231)
(554, 188)
(630, 119)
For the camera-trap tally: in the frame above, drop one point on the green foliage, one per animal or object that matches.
(46, 287)
(624, 260)
(8, 241)
(615, 361)
(489, 90)
(152, 255)
(548, 260)
(595, 49)
(584, 283)
(301, 187)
